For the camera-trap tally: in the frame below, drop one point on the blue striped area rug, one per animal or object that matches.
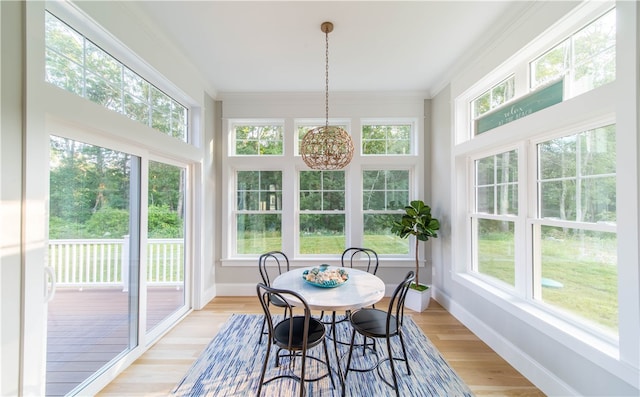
(231, 364)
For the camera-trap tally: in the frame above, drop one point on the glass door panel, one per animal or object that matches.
(93, 240)
(165, 242)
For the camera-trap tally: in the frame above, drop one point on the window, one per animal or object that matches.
(258, 140)
(494, 97)
(322, 212)
(582, 61)
(538, 205)
(587, 59)
(317, 213)
(496, 203)
(576, 233)
(77, 65)
(386, 139)
(258, 214)
(384, 195)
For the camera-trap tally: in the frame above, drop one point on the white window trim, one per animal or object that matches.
(290, 165)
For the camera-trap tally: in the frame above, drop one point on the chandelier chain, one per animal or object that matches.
(326, 76)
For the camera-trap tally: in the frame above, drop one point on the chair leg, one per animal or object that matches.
(404, 352)
(393, 370)
(264, 367)
(264, 323)
(304, 359)
(326, 358)
(346, 370)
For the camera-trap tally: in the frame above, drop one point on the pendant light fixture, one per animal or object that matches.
(327, 147)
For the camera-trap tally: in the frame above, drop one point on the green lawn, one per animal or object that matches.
(589, 277)
(588, 274)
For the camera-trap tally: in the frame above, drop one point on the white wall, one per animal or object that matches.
(557, 362)
(11, 42)
(237, 277)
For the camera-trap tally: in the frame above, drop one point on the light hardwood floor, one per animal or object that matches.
(162, 366)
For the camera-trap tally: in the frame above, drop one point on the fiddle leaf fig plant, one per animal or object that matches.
(418, 222)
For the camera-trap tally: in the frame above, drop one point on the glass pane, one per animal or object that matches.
(258, 233)
(160, 120)
(103, 64)
(63, 39)
(165, 249)
(557, 158)
(598, 151)
(594, 72)
(386, 139)
(136, 109)
(485, 200)
(482, 105)
(333, 180)
(64, 73)
(485, 171)
(99, 91)
(374, 200)
(578, 176)
(580, 273)
(333, 201)
(259, 140)
(496, 249)
(310, 180)
(599, 200)
(322, 233)
(397, 200)
(397, 180)
(507, 199)
(179, 121)
(92, 318)
(507, 167)
(558, 200)
(595, 38)
(377, 233)
(310, 201)
(136, 85)
(551, 65)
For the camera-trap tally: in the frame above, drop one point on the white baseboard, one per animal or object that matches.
(546, 381)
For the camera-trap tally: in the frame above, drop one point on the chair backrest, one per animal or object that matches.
(352, 253)
(396, 304)
(266, 293)
(274, 259)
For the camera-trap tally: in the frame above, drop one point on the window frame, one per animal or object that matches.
(592, 109)
(291, 164)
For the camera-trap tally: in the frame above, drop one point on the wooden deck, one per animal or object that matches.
(88, 328)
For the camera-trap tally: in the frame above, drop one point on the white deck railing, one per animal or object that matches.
(105, 262)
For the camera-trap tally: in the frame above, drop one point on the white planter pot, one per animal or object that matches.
(416, 300)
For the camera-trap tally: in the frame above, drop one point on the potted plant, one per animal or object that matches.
(418, 222)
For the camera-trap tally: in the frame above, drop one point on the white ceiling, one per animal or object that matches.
(277, 46)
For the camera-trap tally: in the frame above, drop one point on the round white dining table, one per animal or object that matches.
(360, 290)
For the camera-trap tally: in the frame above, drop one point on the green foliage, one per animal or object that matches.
(108, 223)
(164, 223)
(418, 222)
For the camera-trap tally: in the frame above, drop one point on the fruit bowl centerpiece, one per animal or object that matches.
(324, 277)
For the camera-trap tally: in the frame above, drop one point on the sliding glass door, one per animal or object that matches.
(116, 251)
(165, 266)
(94, 214)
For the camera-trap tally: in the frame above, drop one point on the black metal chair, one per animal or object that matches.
(276, 263)
(352, 253)
(295, 334)
(349, 257)
(378, 324)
